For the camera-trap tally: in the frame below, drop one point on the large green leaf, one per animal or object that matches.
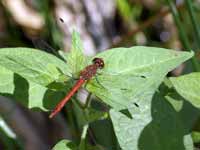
(30, 94)
(188, 86)
(127, 129)
(128, 72)
(34, 65)
(155, 125)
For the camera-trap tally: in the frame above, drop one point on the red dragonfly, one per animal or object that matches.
(85, 75)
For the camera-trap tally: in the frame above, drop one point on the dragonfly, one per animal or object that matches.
(86, 74)
(111, 86)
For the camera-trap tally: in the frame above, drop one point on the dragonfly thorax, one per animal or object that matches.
(88, 72)
(98, 62)
(91, 70)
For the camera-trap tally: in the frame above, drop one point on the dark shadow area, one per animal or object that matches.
(52, 96)
(127, 113)
(101, 132)
(20, 93)
(168, 127)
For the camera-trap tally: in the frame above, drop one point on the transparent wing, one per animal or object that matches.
(118, 90)
(39, 43)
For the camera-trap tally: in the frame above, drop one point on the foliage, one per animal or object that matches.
(133, 102)
(142, 115)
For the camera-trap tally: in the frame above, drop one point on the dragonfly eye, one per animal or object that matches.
(99, 62)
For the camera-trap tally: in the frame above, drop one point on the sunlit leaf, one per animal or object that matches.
(28, 93)
(65, 145)
(34, 65)
(155, 125)
(128, 72)
(188, 86)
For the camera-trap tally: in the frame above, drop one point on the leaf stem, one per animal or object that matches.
(88, 101)
(83, 145)
(73, 123)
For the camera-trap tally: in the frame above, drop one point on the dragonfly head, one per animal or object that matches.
(99, 62)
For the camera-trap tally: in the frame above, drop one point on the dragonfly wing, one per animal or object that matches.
(39, 43)
(119, 90)
(130, 72)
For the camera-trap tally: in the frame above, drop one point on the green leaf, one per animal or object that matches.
(196, 136)
(128, 130)
(76, 59)
(6, 80)
(30, 94)
(65, 145)
(34, 65)
(68, 145)
(188, 86)
(128, 72)
(155, 125)
(87, 115)
(187, 113)
(104, 134)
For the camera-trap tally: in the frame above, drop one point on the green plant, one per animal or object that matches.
(144, 115)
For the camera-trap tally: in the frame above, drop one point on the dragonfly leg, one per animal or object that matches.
(99, 73)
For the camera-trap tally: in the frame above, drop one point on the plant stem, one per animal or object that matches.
(83, 145)
(182, 33)
(193, 19)
(73, 123)
(88, 101)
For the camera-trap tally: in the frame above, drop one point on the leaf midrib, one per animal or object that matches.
(145, 66)
(32, 69)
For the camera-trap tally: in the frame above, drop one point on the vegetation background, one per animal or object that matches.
(102, 24)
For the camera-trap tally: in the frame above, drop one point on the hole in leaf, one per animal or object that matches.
(123, 89)
(143, 76)
(127, 113)
(136, 104)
